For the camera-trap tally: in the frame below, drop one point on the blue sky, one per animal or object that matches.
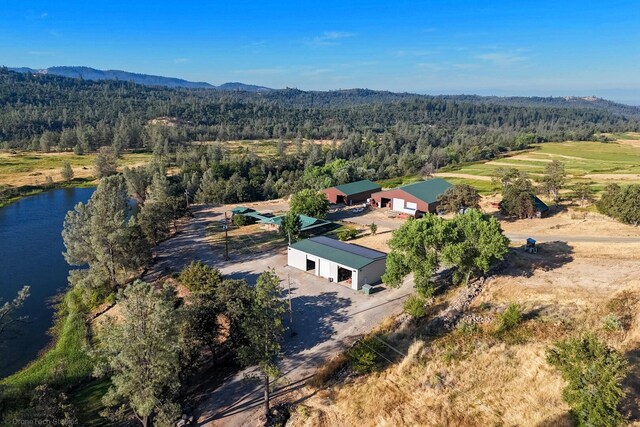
(501, 47)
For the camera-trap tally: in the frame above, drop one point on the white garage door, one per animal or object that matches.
(413, 206)
(398, 205)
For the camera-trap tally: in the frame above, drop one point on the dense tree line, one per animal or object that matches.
(42, 112)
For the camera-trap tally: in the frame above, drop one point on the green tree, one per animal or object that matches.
(8, 309)
(68, 139)
(138, 180)
(553, 179)
(200, 279)
(141, 355)
(475, 241)
(582, 191)
(103, 234)
(373, 227)
(291, 226)
(203, 323)
(156, 213)
(264, 330)
(416, 247)
(458, 197)
(67, 171)
(594, 373)
(621, 203)
(503, 177)
(106, 162)
(309, 202)
(47, 140)
(518, 198)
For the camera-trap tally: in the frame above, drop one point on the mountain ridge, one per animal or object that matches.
(94, 74)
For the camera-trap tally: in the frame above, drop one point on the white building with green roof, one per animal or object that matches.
(337, 261)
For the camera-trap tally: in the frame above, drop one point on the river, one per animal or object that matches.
(31, 254)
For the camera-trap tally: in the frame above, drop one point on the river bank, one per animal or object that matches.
(31, 253)
(11, 195)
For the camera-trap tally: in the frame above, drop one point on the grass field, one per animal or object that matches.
(263, 147)
(600, 163)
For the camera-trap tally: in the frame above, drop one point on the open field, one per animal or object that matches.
(32, 168)
(601, 163)
(263, 147)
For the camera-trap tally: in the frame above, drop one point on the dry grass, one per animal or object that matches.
(32, 168)
(478, 377)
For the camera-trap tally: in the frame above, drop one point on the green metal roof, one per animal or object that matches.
(240, 210)
(258, 216)
(358, 187)
(540, 205)
(346, 254)
(427, 191)
(307, 222)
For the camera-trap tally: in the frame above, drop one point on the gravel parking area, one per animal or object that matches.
(326, 316)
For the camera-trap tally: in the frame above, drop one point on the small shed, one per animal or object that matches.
(412, 199)
(541, 207)
(338, 261)
(353, 192)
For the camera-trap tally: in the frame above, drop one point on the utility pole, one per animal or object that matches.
(226, 238)
(290, 306)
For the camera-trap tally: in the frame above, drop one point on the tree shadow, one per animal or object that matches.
(630, 406)
(346, 213)
(550, 256)
(314, 320)
(250, 277)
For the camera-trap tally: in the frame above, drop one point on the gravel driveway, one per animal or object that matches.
(326, 317)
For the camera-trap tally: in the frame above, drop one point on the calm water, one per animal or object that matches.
(31, 254)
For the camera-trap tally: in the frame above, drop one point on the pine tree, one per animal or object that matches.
(264, 330)
(141, 354)
(67, 171)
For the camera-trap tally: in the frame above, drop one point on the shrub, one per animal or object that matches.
(612, 323)
(510, 318)
(347, 234)
(239, 220)
(594, 373)
(327, 371)
(415, 306)
(374, 228)
(363, 357)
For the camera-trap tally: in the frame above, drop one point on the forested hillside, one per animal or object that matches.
(475, 127)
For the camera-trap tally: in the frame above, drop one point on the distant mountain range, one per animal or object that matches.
(88, 73)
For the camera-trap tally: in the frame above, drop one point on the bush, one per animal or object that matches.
(347, 234)
(510, 318)
(612, 323)
(594, 373)
(364, 356)
(415, 306)
(239, 220)
(199, 278)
